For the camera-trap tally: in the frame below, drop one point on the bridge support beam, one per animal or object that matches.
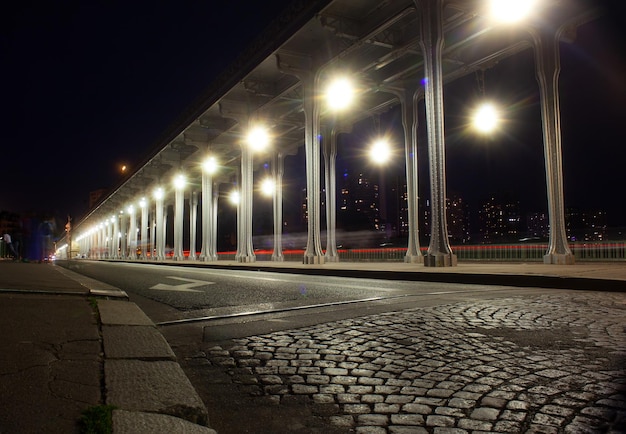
(408, 102)
(193, 219)
(330, 176)
(278, 169)
(179, 210)
(145, 223)
(209, 219)
(245, 250)
(159, 227)
(132, 233)
(431, 31)
(547, 70)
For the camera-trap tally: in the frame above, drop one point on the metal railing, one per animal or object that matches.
(583, 251)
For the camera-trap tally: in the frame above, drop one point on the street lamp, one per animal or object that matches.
(234, 197)
(158, 193)
(180, 181)
(339, 93)
(485, 118)
(258, 138)
(209, 165)
(511, 11)
(380, 152)
(268, 186)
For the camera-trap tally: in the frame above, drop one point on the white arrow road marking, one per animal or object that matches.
(185, 287)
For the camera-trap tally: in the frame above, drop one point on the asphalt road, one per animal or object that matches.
(169, 293)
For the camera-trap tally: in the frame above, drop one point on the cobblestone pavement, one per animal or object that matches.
(546, 364)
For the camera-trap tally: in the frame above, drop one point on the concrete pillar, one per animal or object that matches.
(313, 253)
(115, 238)
(123, 235)
(431, 31)
(278, 169)
(409, 104)
(330, 182)
(302, 68)
(208, 218)
(160, 226)
(547, 70)
(193, 219)
(179, 210)
(145, 227)
(245, 251)
(102, 242)
(132, 233)
(213, 242)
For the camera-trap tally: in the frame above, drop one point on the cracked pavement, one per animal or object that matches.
(49, 364)
(542, 364)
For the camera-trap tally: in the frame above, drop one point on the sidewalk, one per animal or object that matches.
(65, 348)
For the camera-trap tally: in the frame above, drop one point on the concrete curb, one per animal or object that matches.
(143, 379)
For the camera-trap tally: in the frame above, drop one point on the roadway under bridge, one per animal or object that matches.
(399, 53)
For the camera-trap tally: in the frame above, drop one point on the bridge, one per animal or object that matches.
(399, 54)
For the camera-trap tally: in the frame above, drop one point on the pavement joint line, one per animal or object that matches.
(94, 287)
(41, 291)
(308, 306)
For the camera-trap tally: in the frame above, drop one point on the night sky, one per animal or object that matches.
(88, 87)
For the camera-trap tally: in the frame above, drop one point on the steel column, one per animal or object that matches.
(432, 40)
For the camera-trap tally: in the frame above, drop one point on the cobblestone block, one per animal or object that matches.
(417, 408)
(407, 419)
(556, 410)
(371, 399)
(323, 398)
(348, 398)
(541, 429)
(373, 419)
(490, 401)
(407, 430)
(304, 389)
(449, 411)
(332, 388)
(335, 371)
(360, 389)
(485, 413)
(344, 379)
(545, 419)
(356, 408)
(475, 425)
(507, 426)
(309, 370)
(344, 421)
(446, 421)
(440, 393)
(370, 430)
(318, 379)
(370, 381)
(271, 379)
(399, 399)
(381, 407)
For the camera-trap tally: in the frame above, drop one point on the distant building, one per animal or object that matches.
(95, 196)
(586, 225)
(457, 220)
(359, 203)
(537, 226)
(457, 215)
(499, 221)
